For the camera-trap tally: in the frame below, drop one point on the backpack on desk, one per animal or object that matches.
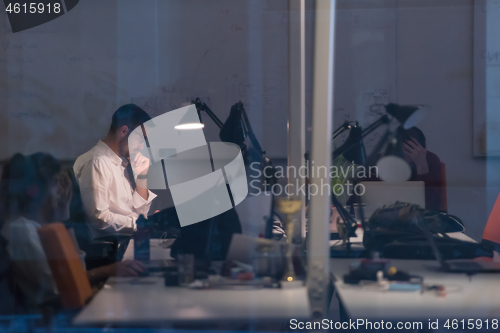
(396, 232)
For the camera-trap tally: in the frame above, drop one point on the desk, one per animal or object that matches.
(474, 298)
(359, 237)
(466, 298)
(147, 302)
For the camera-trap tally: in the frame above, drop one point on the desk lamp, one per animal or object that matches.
(392, 162)
(344, 127)
(407, 116)
(235, 130)
(355, 151)
(204, 107)
(188, 123)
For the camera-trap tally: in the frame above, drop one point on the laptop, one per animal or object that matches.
(253, 213)
(468, 266)
(379, 194)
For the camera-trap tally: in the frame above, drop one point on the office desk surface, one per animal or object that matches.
(359, 237)
(147, 302)
(465, 298)
(474, 297)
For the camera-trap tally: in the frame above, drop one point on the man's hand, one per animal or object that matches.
(417, 154)
(127, 268)
(140, 164)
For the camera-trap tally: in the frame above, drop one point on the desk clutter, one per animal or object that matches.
(229, 274)
(239, 278)
(380, 275)
(407, 231)
(252, 262)
(249, 261)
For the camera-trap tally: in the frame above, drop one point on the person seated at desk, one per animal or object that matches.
(111, 197)
(33, 192)
(425, 166)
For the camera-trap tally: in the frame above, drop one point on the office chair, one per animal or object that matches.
(491, 234)
(444, 196)
(99, 252)
(67, 269)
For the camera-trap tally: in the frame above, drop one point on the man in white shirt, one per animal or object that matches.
(111, 197)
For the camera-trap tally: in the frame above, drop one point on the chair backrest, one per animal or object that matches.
(67, 269)
(444, 197)
(77, 218)
(492, 230)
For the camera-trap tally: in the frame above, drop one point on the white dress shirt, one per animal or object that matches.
(31, 269)
(111, 204)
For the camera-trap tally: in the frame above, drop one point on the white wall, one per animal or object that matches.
(60, 82)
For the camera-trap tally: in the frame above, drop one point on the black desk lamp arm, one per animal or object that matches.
(212, 115)
(349, 222)
(342, 149)
(384, 120)
(344, 127)
(204, 107)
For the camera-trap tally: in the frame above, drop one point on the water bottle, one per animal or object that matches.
(141, 241)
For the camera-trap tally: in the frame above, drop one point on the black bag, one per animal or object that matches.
(399, 231)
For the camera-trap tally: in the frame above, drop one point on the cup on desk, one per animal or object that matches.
(185, 269)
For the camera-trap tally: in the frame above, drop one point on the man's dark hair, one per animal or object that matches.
(129, 115)
(416, 134)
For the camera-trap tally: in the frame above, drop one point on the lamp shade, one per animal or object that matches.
(407, 115)
(233, 129)
(356, 153)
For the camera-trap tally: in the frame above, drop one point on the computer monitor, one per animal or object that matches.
(378, 194)
(253, 213)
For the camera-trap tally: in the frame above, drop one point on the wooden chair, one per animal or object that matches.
(492, 231)
(444, 197)
(67, 269)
